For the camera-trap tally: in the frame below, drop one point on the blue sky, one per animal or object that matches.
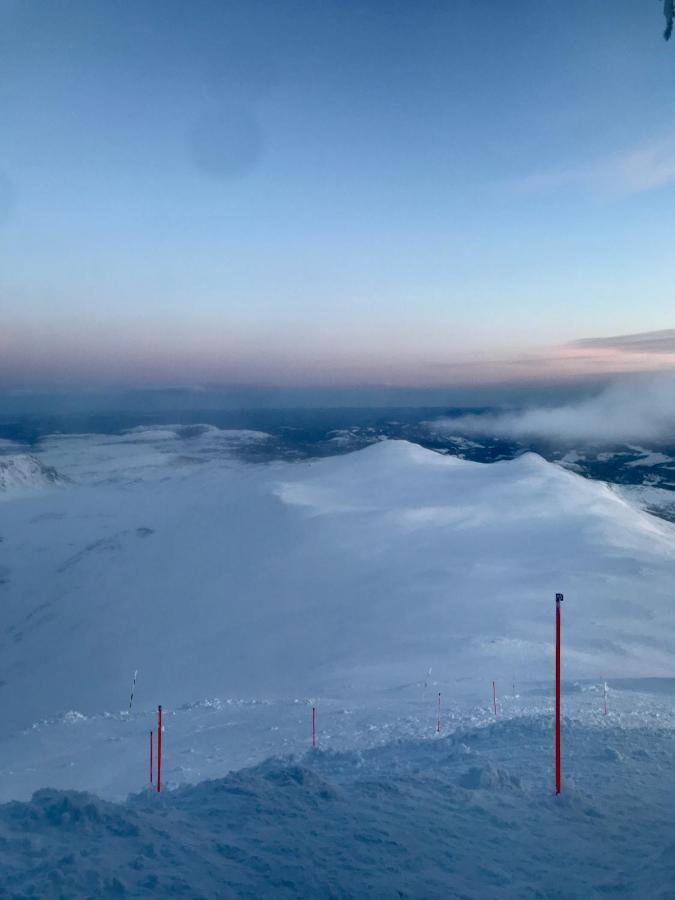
(412, 193)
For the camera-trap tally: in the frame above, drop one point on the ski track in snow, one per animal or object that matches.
(268, 588)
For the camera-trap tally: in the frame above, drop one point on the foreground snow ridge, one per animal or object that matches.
(467, 815)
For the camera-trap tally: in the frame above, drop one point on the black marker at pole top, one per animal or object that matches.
(559, 598)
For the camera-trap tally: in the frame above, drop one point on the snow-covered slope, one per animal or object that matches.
(369, 583)
(22, 472)
(336, 578)
(365, 568)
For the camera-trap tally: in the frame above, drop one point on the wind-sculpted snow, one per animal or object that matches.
(471, 814)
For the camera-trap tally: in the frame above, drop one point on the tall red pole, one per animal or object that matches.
(494, 698)
(605, 690)
(558, 760)
(438, 717)
(159, 749)
(150, 757)
(314, 726)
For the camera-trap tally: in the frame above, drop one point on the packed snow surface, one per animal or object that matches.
(363, 585)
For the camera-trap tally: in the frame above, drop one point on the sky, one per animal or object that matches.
(419, 194)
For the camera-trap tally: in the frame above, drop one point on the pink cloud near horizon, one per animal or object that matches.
(147, 355)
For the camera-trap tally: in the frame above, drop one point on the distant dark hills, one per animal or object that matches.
(303, 433)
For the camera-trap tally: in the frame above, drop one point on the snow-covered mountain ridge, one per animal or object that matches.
(23, 471)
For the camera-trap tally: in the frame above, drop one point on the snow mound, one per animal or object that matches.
(488, 778)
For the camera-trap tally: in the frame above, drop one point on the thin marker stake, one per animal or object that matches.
(133, 688)
(558, 753)
(150, 757)
(438, 717)
(605, 692)
(494, 698)
(314, 726)
(159, 749)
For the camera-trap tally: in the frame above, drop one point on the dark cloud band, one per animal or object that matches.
(645, 342)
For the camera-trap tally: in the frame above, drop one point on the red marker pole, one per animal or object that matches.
(558, 760)
(159, 749)
(314, 726)
(494, 698)
(438, 717)
(605, 690)
(150, 757)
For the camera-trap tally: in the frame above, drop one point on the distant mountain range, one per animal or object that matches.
(311, 433)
